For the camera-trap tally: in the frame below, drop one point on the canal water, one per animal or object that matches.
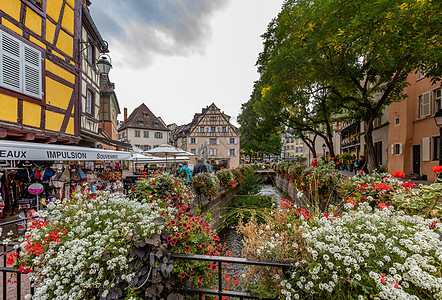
(233, 240)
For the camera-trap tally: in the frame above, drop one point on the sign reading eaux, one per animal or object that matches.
(12, 154)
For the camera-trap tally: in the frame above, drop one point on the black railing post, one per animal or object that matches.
(18, 282)
(220, 278)
(4, 273)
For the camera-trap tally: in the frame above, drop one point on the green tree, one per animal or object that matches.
(357, 52)
(258, 135)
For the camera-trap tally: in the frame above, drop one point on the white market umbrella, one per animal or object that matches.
(165, 150)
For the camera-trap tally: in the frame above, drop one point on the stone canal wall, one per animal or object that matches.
(217, 207)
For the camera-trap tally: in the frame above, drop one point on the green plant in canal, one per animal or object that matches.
(251, 183)
(245, 206)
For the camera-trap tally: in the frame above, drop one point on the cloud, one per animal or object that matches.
(143, 29)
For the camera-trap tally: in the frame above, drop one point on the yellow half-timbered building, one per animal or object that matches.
(40, 70)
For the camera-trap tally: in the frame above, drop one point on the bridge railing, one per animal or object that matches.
(22, 284)
(229, 260)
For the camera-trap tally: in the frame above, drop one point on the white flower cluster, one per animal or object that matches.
(99, 235)
(397, 254)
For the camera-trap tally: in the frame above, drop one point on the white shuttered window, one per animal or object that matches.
(20, 66)
(424, 105)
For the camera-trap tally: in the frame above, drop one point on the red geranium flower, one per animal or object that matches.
(382, 186)
(408, 184)
(361, 171)
(398, 174)
(437, 169)
(187, 248)
(314, 163)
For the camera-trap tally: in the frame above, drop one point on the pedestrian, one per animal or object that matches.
(362, 164)
(185, 173)
(199, 168)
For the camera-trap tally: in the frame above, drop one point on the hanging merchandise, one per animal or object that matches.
(48, 173)
(74, 175)
(23, 175)
(81, 174)
(36, 174)
(65, 176)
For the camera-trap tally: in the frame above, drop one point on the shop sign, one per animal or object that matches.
(33, 151)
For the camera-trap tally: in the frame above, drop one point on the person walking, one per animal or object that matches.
(199, 168)
(185, 173)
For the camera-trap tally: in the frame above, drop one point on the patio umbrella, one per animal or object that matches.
(165, 150)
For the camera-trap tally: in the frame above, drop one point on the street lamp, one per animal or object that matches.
(104, 64)
(323, 150)
(438, 119)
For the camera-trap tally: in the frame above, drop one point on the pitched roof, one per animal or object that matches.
(143, 118)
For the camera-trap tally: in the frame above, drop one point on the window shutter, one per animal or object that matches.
(392, 149)
(236, 141)
(10, 63)
(216, 151)
(217, 141)
(400, 148)
(426, 149)
(236, 152)
(190, 141)
(196, 140)
(228, 141)
(32, 72)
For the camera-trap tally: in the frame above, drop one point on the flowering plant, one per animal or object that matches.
(227, 179)
(314, 183)
(83, 250)
(421, 201)
(377, 187)
(363, 253)
(164, 186)
(206, 184)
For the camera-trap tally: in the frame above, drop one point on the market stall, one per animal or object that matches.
(55, 171)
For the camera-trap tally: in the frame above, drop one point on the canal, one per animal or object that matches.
(233, 240)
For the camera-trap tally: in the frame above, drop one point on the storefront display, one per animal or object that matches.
(33, 175)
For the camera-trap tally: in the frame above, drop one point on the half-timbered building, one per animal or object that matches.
(92, 44)
(210, 136)
(40, 70)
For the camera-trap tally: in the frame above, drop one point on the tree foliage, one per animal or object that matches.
(355, 55)
(258, 135)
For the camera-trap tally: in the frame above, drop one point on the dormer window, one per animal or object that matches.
(146, 115)
(140, 123)
(155, 124)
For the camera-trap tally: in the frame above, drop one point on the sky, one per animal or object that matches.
(179, 56)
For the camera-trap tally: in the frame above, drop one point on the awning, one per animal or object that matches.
(12, 150)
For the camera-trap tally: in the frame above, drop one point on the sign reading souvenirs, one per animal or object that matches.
(11, 150)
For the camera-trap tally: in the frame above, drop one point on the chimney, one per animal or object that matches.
(125, 115)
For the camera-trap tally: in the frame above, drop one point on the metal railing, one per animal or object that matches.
(231, 260)
(9, 294)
